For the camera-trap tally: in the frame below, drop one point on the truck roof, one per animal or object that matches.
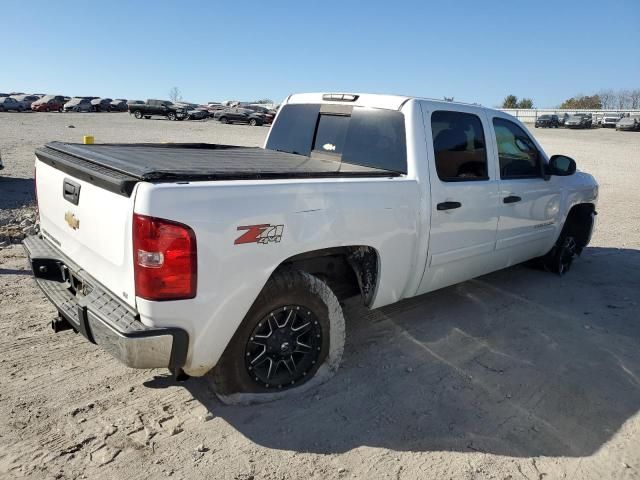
(374, 100)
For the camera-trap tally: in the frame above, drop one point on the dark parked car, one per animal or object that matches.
(119, 105)
(101, 104)
(240, 115)
(548, 121)
(269, 115)
(49, 103)
(26, 100)
(579, 120)
(9, 103)
(194, 111)
(162, 108)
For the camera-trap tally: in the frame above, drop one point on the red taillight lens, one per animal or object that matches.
(164, 259)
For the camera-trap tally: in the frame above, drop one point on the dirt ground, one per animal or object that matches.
(515, 375)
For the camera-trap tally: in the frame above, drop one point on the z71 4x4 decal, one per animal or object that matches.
(260, 234)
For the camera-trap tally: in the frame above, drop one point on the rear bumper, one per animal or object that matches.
(100, 316)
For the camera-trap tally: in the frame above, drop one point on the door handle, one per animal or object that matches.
(448, 205)
(511, 199)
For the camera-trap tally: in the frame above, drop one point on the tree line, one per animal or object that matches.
(606, 99)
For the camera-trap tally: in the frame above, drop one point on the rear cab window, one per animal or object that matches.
(370, 137)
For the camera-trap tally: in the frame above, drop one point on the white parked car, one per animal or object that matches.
(201, 257)
(78, 104)
(609, 120)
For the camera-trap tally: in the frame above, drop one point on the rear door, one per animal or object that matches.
(529, 204)
(464, 195)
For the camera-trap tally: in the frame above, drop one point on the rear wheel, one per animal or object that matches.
(171, 116)
(223, 120)
(137, 114)
(293, 335)
(60, 110)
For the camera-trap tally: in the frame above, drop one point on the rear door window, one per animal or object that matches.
(459, 146)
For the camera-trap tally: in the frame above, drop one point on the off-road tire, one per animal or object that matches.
(231, 378)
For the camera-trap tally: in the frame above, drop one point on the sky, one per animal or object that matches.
(475, 51)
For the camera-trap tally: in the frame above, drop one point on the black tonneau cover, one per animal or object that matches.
(118, 167)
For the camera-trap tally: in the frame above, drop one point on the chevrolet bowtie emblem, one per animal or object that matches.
(71, 220)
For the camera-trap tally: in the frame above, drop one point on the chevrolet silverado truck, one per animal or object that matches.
(158, 108)
(234, 261)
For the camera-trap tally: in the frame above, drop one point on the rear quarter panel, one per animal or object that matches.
(315, 214)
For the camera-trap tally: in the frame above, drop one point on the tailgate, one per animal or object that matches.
(89, 224)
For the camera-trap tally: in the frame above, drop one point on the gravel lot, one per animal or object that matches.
(515, 375)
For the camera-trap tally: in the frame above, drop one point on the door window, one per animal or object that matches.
(519, 157)
(459, 146)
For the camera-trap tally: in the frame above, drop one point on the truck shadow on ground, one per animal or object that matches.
(16, 192)
(518, 363)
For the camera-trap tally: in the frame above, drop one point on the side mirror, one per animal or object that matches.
(561, 166)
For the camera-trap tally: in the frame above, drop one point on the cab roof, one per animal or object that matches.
(374, 100)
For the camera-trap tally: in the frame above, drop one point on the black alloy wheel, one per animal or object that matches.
(284, 347)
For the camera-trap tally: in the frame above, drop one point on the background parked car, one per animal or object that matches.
(49, 103)
(579, 120)
(10, 104)
(609, 120)
(163, 108)
(119, 105)
(194, 111)
(101, 104)
(25, 100)
(240, 115)
(562, 118)
(548, 121)
(632, 122)
(269, 115)
(78, 104)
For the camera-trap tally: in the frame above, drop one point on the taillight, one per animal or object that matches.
(164, 259)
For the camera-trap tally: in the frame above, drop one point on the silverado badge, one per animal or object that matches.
(71, 220)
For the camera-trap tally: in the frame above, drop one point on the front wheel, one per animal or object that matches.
(223, 120)
(293, 335)
(253, 122)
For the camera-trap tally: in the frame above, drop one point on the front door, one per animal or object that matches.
(529, 203)
(464, 196)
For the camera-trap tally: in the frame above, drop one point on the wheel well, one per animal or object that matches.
(347, 270)
(579, 223)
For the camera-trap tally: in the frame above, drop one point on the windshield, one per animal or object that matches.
(370, 137)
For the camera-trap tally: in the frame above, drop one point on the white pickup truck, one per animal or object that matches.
(234, 260)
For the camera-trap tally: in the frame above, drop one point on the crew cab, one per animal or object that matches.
(232, 260)
(158, 108)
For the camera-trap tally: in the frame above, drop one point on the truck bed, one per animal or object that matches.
(118, 167)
